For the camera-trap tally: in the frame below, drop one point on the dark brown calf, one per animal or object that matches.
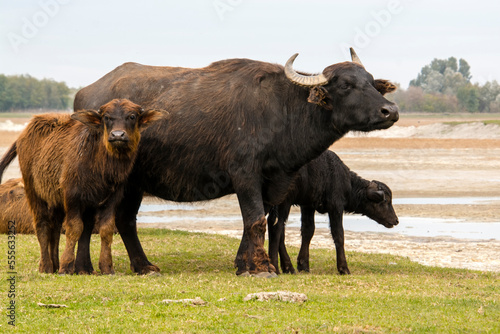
(14, 208)
(74, 168)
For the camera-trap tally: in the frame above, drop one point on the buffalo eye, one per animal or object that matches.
(106, 118)
(132, 117)
(345, 86)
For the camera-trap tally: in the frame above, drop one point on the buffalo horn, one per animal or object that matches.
(303, 80)
(355, 58)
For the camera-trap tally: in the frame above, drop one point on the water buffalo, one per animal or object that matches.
(328, 186)
(237, 126)
(74, 169)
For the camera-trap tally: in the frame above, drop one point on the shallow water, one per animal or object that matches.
(446, 200)
(408, 226)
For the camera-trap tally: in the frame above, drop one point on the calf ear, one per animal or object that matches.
(319, 96)
(149, 116)
(374, 194)
(90, 118)
(384, 86)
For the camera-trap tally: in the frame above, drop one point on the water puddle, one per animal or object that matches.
(408, 226)
(446, 200)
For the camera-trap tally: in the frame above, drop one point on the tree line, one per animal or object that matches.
(18, 92)
(444, 86)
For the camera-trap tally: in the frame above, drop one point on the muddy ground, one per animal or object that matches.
(411, 167)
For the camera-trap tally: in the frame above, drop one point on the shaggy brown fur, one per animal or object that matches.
(14, 208)
(74, 168)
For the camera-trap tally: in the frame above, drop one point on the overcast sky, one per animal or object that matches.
(78, 41)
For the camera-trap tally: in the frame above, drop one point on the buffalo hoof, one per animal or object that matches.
(288, 270)
(108, 272)
(344, 271)
(85, 272)
(66, 271)
(147, 269)
(243, 274)
(46, 268)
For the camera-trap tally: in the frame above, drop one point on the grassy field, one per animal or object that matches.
(385, 294)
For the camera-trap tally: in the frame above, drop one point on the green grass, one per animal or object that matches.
(485, 122)
(385, 294)
(15, 115)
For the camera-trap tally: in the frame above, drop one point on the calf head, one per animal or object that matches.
(351, 93)
(120, 121)
(12, 190)
(376, 203)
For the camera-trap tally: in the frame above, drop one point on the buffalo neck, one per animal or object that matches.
(309, 131)
(357, 193)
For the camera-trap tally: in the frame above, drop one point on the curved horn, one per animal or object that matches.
(303, 80)
(355, 58)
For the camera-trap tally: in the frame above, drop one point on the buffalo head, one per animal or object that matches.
(350, 91)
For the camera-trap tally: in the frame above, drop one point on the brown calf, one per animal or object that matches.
(14, 208)
(74, 169)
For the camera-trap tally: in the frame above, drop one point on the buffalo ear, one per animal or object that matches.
(90, 118)
(374, 194)
(384, 86)
(319, 96)
(149, 116)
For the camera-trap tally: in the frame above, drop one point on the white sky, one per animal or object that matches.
(78, 41)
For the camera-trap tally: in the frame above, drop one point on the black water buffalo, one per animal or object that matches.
(328, 186)
(237, 126)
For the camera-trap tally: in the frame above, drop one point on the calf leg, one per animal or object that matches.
(43, 234)
(337, 230)
(44, 229)
(307, 231)
(74, 229)
(285, 261)
(274, 237)
(106, 229)
(55, 235)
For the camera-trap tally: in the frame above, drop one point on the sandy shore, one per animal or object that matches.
(412, 167)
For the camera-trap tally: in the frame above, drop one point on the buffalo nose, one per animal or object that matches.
(391, 112)
(117, 135)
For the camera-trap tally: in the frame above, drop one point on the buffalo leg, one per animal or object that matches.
(106, 223)
(337, 229)
(43, 223)
(43, 232)
(83, 263)
(277, 241)
(251, 255)
(273, 232)
(307, 231)
(55, 236)
(126, 224)
(74, 229)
